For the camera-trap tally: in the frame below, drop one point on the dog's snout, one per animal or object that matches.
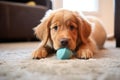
(64, 42)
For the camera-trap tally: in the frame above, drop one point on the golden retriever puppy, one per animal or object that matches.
(65, 28)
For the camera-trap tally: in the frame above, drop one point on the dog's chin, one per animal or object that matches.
(69, 46)
(56, 48)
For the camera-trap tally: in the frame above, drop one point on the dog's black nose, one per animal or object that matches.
(64, 42)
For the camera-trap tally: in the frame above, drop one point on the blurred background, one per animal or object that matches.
(19, 17)
(103, 9)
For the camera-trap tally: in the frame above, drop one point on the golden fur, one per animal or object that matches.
(80, 34)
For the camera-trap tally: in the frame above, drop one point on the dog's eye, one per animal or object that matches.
(55, 27)
(72, 27)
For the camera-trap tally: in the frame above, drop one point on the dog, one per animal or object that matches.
(65, 28)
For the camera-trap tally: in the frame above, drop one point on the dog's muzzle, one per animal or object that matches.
(64, 42)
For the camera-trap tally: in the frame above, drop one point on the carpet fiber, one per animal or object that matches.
(16, 64)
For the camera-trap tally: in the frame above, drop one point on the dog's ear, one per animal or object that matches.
(42, 31)
(84, 28)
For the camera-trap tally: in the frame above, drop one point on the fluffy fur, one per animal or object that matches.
(65, 28)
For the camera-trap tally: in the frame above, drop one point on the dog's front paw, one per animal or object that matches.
(39, 53)
(84, 54)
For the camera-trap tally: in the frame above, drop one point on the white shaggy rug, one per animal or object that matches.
(16, 64)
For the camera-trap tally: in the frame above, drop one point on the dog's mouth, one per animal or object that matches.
(64, 43)
(64, 47)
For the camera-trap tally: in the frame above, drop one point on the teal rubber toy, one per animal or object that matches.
(64, 53)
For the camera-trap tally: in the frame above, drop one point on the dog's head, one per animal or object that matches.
(63, 28)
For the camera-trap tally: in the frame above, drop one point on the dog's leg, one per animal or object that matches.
(41, 52)
(86, 51)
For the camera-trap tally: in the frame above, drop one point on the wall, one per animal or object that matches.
(107, 15)
(57, 4)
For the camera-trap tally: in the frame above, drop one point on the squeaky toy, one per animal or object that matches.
(64, 53)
